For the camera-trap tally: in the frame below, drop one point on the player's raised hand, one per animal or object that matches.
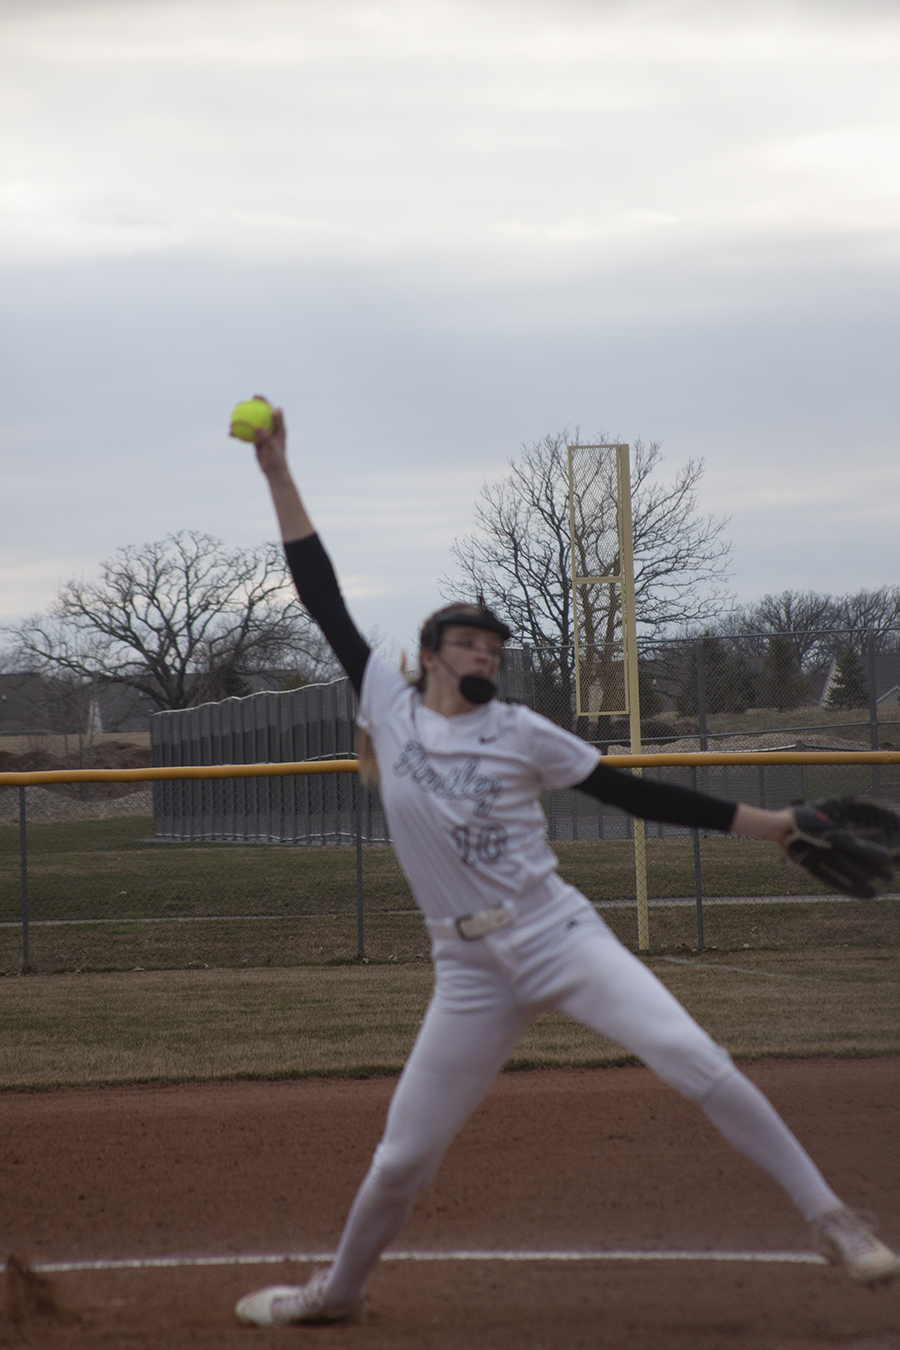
(271, 446)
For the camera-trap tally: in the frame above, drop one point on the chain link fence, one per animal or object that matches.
(102, 892)
(287, 869)
(824, 689)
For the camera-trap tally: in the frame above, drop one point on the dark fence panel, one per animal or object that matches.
(316, 722)
(312, 723)
(743, 691)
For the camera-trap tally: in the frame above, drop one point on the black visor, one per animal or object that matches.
(461, 616)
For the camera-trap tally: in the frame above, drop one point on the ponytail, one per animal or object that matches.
(367, 763)
(367, 760)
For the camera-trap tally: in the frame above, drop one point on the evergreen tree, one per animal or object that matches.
(849, 688)
(650, 698)
(729, 680)
(781, 682)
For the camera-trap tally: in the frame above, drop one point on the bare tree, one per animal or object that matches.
(877, 611)
(519, 555)
(804, 617)
(818, 626)
(179, 621)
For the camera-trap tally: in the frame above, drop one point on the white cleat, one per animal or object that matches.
(847, 1240)
(284, 1304)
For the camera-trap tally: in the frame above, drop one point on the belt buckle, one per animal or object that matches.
(473, 926)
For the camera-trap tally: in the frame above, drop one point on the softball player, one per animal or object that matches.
(461, 777)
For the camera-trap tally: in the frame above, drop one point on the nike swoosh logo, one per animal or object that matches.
(485, 740)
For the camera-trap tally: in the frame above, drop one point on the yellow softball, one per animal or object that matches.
(245, 419)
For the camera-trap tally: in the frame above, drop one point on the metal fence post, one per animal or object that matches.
(873, 706)
(360, 916)
(527, 676)
(704, 743)
(801, 774)
(698, 875)
(23, 863)
(701, 689)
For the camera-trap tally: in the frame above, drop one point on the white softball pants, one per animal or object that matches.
(560, 956)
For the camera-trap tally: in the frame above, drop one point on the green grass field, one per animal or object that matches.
(221, 961)
(178, 1025)
(101, 897)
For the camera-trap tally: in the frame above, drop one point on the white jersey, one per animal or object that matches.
(461, 793)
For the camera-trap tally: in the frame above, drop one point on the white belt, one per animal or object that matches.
(471, 926)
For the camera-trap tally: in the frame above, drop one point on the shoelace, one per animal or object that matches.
(309, 1299)
(852, 1231)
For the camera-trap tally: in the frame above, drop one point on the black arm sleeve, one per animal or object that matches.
(318, 589)
(658, 801)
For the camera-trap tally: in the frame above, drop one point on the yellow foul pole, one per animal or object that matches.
(626, 548)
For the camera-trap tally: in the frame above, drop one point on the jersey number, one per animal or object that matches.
(483, 845)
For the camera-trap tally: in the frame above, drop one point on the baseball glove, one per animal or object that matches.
(850, 843)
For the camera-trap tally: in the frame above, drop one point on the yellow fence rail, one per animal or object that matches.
(698, 759)
(41, 777)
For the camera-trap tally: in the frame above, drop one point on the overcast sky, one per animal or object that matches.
(434, 232)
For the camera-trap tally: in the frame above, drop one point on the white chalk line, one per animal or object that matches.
(182, 1262)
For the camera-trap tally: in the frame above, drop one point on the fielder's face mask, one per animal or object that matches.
(474, 688)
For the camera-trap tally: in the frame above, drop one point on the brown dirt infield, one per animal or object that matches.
(554, 1160)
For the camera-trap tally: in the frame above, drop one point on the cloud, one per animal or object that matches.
(437, 230)
(348, 130)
